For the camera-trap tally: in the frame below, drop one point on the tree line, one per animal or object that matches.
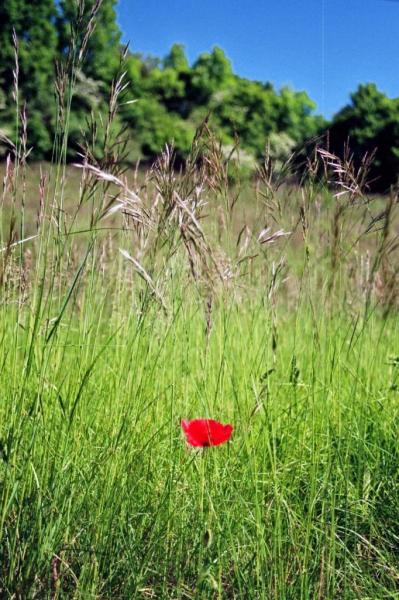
(165, 100)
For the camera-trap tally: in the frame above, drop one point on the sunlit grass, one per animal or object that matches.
(102, 498)
(135, 307)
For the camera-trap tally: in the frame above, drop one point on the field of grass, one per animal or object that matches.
(292, 337)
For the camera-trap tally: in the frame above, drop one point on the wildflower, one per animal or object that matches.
(206, 432)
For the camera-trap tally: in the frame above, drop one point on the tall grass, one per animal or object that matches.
(131, 301)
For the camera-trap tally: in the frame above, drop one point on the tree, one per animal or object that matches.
(367, 113)
(249, 110)
(210, 73)
(296, 115)
(37, 46)
(370, 123)
(154, 127)
(172, 97)
(176, 59)
(134, 68)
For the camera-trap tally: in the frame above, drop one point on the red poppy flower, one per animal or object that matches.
(206, 432)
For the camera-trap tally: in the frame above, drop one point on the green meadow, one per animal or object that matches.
(139, 301)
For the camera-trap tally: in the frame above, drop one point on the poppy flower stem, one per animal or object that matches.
(202, 479)
(202, 508)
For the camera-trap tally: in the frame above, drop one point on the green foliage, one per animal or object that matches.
(177, 59)
(370, 123)
(37, 39)
(37, 42)
(154, 127)
(296, 117)
(368, 112)
(250, 110)
(173, 98)
(280, 146)
(211, 73)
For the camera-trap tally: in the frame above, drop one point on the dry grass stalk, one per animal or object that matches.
(127, 203)
(146, 277)
(351, 182)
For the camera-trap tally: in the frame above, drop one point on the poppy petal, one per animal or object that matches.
(206, 432)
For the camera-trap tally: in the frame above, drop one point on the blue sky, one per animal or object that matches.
(326, 47)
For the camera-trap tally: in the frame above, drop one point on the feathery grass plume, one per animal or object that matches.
(266, 236)
(270, 179)
(127, 202)
(14, 189)
(351, 190)
(349, 181)
(181, 205)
